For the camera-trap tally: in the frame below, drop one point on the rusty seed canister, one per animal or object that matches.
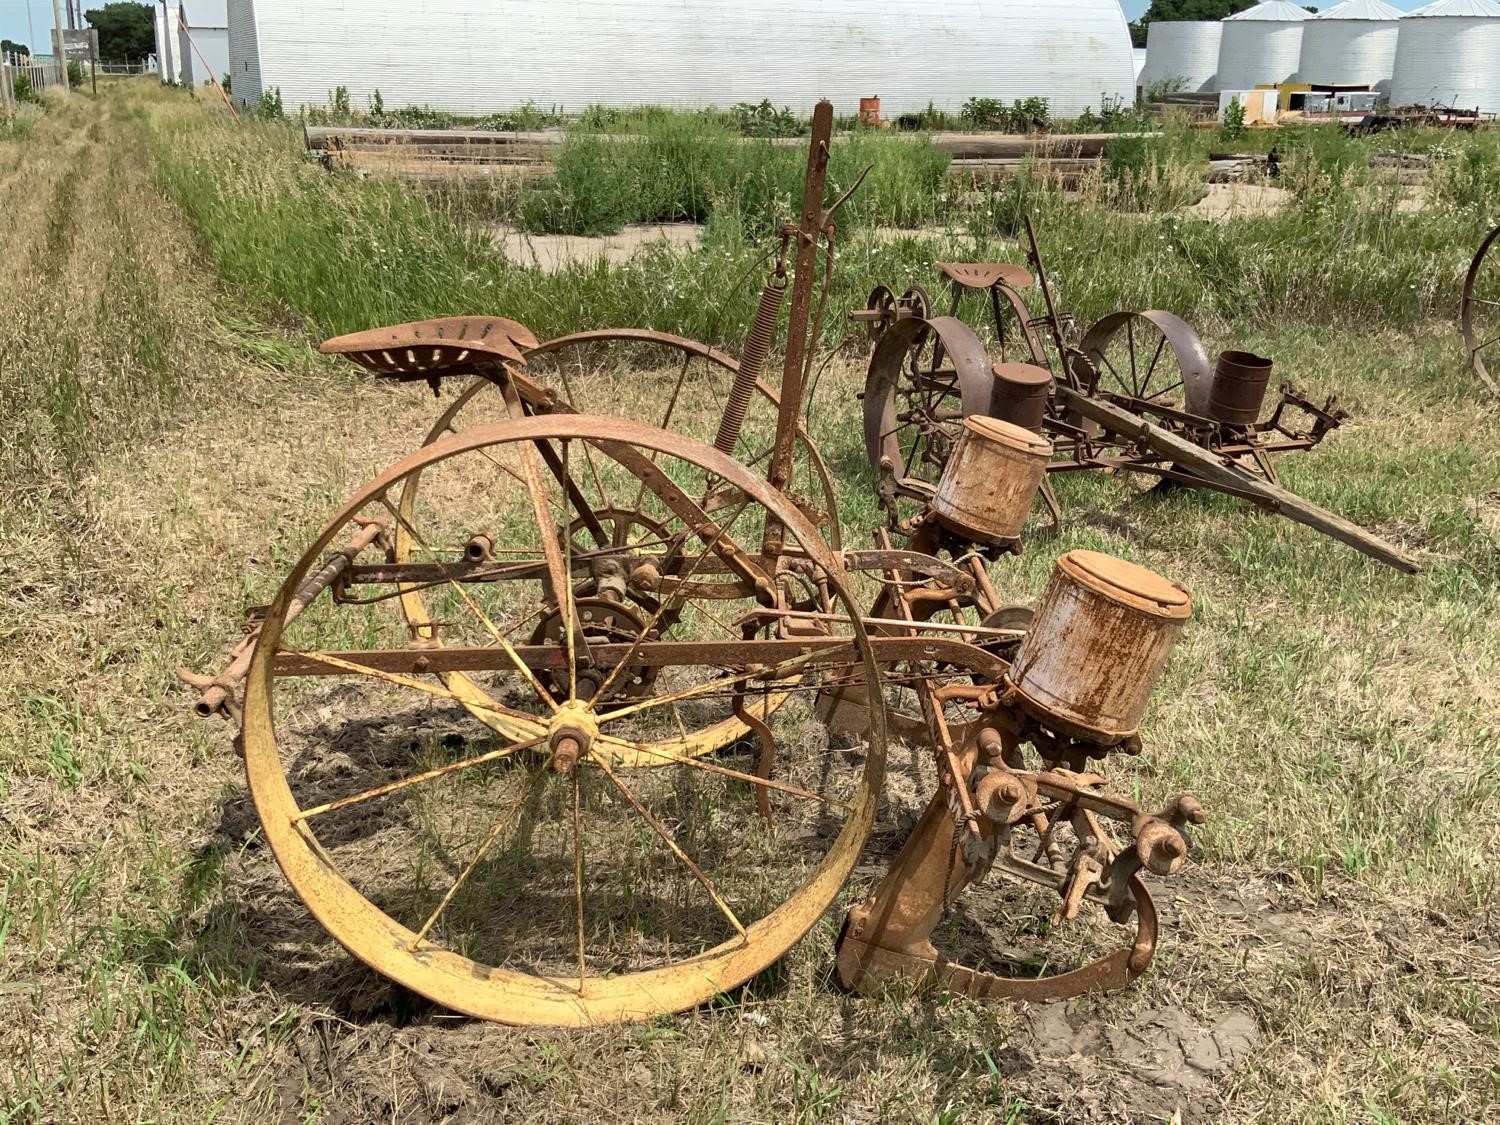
(1020, 394)
(988, 485)
(1097, 647)
(1239, 388)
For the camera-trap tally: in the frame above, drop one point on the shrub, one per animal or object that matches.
(270, 105)
(1234, 121)
(23, 90)
(75, 74)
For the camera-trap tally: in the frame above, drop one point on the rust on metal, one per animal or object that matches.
(1239, 388)
(1021, 394)
(1134, 394)
(1100, 640)
(988, 485)
(666, 606)
(1479, 311)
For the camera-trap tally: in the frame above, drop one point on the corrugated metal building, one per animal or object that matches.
(207, 22)
(184, 25)
(1351, 44)
(1185, 50)
(1260, 45)
(1448, 54)
(469, 57)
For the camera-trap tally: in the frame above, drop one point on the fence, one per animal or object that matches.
(144, 66)
(46, 75)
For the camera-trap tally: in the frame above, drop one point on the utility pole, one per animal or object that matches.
(59, 50)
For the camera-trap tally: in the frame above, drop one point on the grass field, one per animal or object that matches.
(172, 440)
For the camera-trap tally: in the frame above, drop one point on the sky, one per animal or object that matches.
(13, 21)
(13, 16)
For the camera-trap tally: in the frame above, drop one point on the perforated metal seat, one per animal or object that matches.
(982, 275)
(431, 349)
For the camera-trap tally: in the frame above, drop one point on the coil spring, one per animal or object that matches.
(752, 363)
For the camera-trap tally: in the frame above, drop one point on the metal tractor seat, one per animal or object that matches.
(430, 349)
(983, 275)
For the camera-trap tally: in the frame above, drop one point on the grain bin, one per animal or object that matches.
(1448, 54)
(1182, 49)
(1261, 45)
(1351, 44)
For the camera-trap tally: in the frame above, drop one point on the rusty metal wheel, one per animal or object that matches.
(1152, 357)
(664, 380)
(1479, 315)
(655, 377)
(531, 871)
(925, 377)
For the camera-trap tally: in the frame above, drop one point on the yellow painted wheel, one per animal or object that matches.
(530, 870)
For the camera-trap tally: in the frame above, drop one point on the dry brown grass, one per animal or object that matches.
(1331, 956)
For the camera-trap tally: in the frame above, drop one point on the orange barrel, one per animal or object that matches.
(990, 481)
(1239, 388)
(1097, 646)
(1020, 394)
(869, 111)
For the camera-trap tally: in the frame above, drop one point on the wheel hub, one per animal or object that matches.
(570, 732)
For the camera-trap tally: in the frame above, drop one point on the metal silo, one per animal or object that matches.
(1261, 45)
(1351, 44)
(1185, 49)
(1448, 54)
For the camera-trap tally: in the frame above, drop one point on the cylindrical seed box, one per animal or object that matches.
(1020, 394)
(1098, 645)
(992, 478)
(1239, 388)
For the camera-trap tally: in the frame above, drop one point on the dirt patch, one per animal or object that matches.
(553, 251)
(1222, 202)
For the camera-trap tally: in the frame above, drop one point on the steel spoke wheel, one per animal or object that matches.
(1151, 357)
(1480, 313)
(668, 381)
(533, 870)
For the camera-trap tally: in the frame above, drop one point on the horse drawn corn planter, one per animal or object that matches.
(537, 724)
(1135, 394)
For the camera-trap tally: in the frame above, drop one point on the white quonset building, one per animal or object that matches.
(471, 57)
(1261, 45)
(1351, 44)
(1185, 51)
(1448, 54)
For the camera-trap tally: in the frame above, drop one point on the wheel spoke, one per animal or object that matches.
(1156, 356)
(672, 602)
(723, 771)
(400, 681)
(417, 779)
(570, 617)
(772, 673)
(1135, 390)
(666, 837)
(536, 685)
(578, 875)
(489, 842)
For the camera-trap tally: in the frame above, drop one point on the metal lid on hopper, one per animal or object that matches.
(1128, 584)
(1023, 374)
(1008, 434)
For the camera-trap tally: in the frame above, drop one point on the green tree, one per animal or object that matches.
(126, 33)
(9, 47)
(1185, 10)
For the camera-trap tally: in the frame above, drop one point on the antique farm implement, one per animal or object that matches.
(1134, 394)
(1479, 316)
(538, 723)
